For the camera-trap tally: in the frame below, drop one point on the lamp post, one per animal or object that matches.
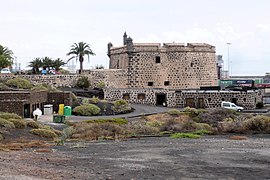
(228, 44)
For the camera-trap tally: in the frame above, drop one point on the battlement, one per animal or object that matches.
(167, 47)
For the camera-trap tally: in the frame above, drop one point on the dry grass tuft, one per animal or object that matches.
(19, 123)
(20, 144)
(46, 133)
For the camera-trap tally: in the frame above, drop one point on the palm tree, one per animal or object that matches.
(6, 58)
(78, 50)
(47, 63)
(35, 64)
(57, 63)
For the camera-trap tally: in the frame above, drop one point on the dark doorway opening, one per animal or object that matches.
(26, 111)
(190, 102)
(161, 99)
(234, 100)
(200, 103)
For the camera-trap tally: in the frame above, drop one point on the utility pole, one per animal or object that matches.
(228, 44)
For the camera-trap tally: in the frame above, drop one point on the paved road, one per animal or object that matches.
(139, 110)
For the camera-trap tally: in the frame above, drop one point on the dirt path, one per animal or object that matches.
(210, 157)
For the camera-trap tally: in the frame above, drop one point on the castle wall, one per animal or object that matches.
(171, 66)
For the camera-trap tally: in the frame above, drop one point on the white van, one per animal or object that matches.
(230, 105)
(5, 71)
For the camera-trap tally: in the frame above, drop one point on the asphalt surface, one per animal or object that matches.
(139, 111)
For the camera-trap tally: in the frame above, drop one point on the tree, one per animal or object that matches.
(57, 63)
(47, 63)
(35, 64)
(6, 58)
(79, 50)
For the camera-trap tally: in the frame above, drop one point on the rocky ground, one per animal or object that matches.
(209, 157)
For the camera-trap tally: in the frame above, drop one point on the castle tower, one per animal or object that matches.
(125, 38)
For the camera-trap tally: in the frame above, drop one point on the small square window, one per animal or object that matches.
(157, 59)
(126, 96)
(141, 96)
(150, 83)
(166, 83)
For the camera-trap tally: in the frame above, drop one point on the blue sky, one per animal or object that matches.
(38, 28)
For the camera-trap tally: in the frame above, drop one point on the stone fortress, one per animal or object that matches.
(172, 74)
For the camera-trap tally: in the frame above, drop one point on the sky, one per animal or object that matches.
(39, 28)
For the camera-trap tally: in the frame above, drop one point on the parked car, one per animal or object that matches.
(5, 71)
(230, 105)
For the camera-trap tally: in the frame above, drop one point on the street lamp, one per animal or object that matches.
(228, 44)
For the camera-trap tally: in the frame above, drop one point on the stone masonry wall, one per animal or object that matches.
(114, 78)
(211, 99)
(172, 66)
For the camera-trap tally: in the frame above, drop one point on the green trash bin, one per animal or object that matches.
(58, 118)
(67, 111)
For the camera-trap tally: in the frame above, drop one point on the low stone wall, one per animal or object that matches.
(113, 78)
(181, 99)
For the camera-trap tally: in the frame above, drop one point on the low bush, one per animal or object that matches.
(94, 100)
(201, 132)
(33, 124)
(140, 127)
(7, 124)
(155, 123)
(101, 84)
(214, 116)
(258, 123)
(5, 115)
(95, 131)
(19, 83)
(174, 125)
(111, 120)
(202, 126)
(19, 123)
(185, 135)
(174, 112)
(40, 87)
(46, 133)
(121, 106)
(259, 105)
(83, 82)
(86, 110)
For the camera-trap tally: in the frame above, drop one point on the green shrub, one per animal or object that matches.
(46, 133)
(19, 83)
(121, 106)
(94, 100)
(111, 120)
(185, 135)
(201, 132)
(7, 124)
(3, 86)
(33, 124)
(83, 82)
(174, 112)
(101, 84)
(86, 110)
(85, 101)
(202, 126)
(19, 123)
(40, 87)
(259, 105)
(9, 115)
